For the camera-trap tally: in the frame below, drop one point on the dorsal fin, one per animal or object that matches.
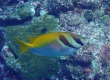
(32, 39)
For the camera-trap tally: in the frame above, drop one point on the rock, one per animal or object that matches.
(23, 12)
(19, 13)
(7, 3)
(57, 6)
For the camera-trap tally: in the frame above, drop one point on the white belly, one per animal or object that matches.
(53, 50)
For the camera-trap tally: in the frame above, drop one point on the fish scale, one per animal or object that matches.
(53, 44)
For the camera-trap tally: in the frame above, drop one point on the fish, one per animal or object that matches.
(53, 44)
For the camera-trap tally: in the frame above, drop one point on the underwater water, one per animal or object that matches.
(55, 40)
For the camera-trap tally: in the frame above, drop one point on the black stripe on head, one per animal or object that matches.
(77, 39)
(65, 41)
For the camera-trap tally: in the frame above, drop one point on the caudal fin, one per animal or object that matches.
(23, 46)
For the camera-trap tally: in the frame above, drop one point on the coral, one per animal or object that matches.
(19, 13)
(105, 19)
(96, 32)
(107, 2)
(71, 21)
(57, 6)
(10, 58)
(105, 53)
(6, 71)
(31, 63)
(93, 32)
(23, 12)
(39, 66)
(98, 13)
(96, 66)
(38, 26)
(44, 23)
(88, 18)
(88, 4)
(104, 59)
(78, 66)
(107, 33)
(7, 3)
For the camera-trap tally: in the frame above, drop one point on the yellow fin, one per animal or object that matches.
(32, 39)
(23, 46)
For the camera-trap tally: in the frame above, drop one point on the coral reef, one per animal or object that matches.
(7, 3)
(88, 18)
(38, 65)
(7, 71)
(88, 4)
(93, 25)
(103, 63)
(105, 54)
(57, 6)
(10, 58)
(23, 12)
(19, 13)
(79, 65)
(44, 23)
(107, 2)
(88, 15)
(70, 21)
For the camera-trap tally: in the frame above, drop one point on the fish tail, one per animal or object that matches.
(23, 46)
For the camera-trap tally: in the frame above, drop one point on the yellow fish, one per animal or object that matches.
(53, 44)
